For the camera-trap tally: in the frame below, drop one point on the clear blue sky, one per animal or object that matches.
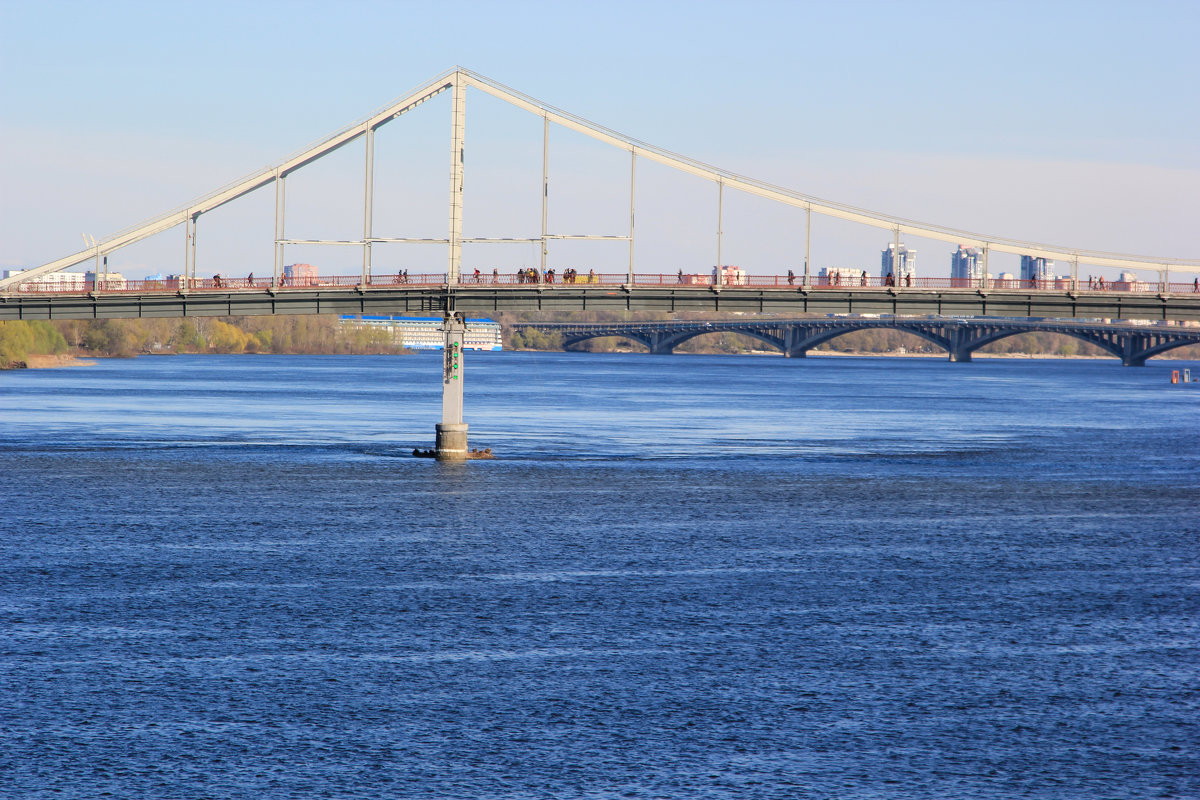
(1073, 123)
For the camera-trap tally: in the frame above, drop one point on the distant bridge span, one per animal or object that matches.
(1133, 344)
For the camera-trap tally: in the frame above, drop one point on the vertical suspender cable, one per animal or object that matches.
(368, 204)
(545, 186)
(807, 241)
(280, 201)
(457, 131)
(632, 203)
(720, 217)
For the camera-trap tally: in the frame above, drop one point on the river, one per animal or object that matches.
(682, 577)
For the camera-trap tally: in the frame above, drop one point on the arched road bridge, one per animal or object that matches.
(1133, 344)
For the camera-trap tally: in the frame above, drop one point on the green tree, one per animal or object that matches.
(186, 338)
(1068, 348)
(46, 338)
(16, 342)
(226, 338)
(112, 337)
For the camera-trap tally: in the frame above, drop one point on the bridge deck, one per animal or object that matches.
(344, 296)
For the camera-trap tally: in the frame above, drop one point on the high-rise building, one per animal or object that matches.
(907, 266)
(966, 266)
(1036, 268)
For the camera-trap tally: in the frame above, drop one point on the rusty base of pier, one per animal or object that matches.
(470, 456)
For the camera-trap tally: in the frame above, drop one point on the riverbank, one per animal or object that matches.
(940, 355)
(56, 361)
(33, 361)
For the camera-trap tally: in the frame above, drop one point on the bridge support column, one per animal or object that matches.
(660, 347)
(451, 433)
(793, 336)
(957, 349)
(1130, 351)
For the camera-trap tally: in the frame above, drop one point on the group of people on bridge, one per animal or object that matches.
(834, 278)
(569, 275)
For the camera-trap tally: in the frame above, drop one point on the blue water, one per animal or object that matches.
(683, 577)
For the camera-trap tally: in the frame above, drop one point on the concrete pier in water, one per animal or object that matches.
(450, 442)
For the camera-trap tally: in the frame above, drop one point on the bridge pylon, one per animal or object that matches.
(661, 344)
(958, 348)
(450, 442)
(1133, 348)
(790, 337)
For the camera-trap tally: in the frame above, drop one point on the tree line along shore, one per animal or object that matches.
(21, 342)
(117, 338)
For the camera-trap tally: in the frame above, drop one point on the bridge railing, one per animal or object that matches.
(837, 282)
(518, 279)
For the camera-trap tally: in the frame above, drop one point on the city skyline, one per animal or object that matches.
(99, 139)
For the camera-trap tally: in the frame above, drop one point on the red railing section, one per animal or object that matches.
(590, 278)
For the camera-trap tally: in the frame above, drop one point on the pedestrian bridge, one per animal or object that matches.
(1158, 288)
(1151, 287)
(1131, 343)
(438, 293)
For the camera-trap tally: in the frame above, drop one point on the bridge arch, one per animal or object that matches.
(574, 339)
(1161, 348)
(1115, 348)
(773, 341)
(815, 337)
(665, 340)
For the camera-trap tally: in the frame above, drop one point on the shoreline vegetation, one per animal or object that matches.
(42, 344)
(31, 344)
